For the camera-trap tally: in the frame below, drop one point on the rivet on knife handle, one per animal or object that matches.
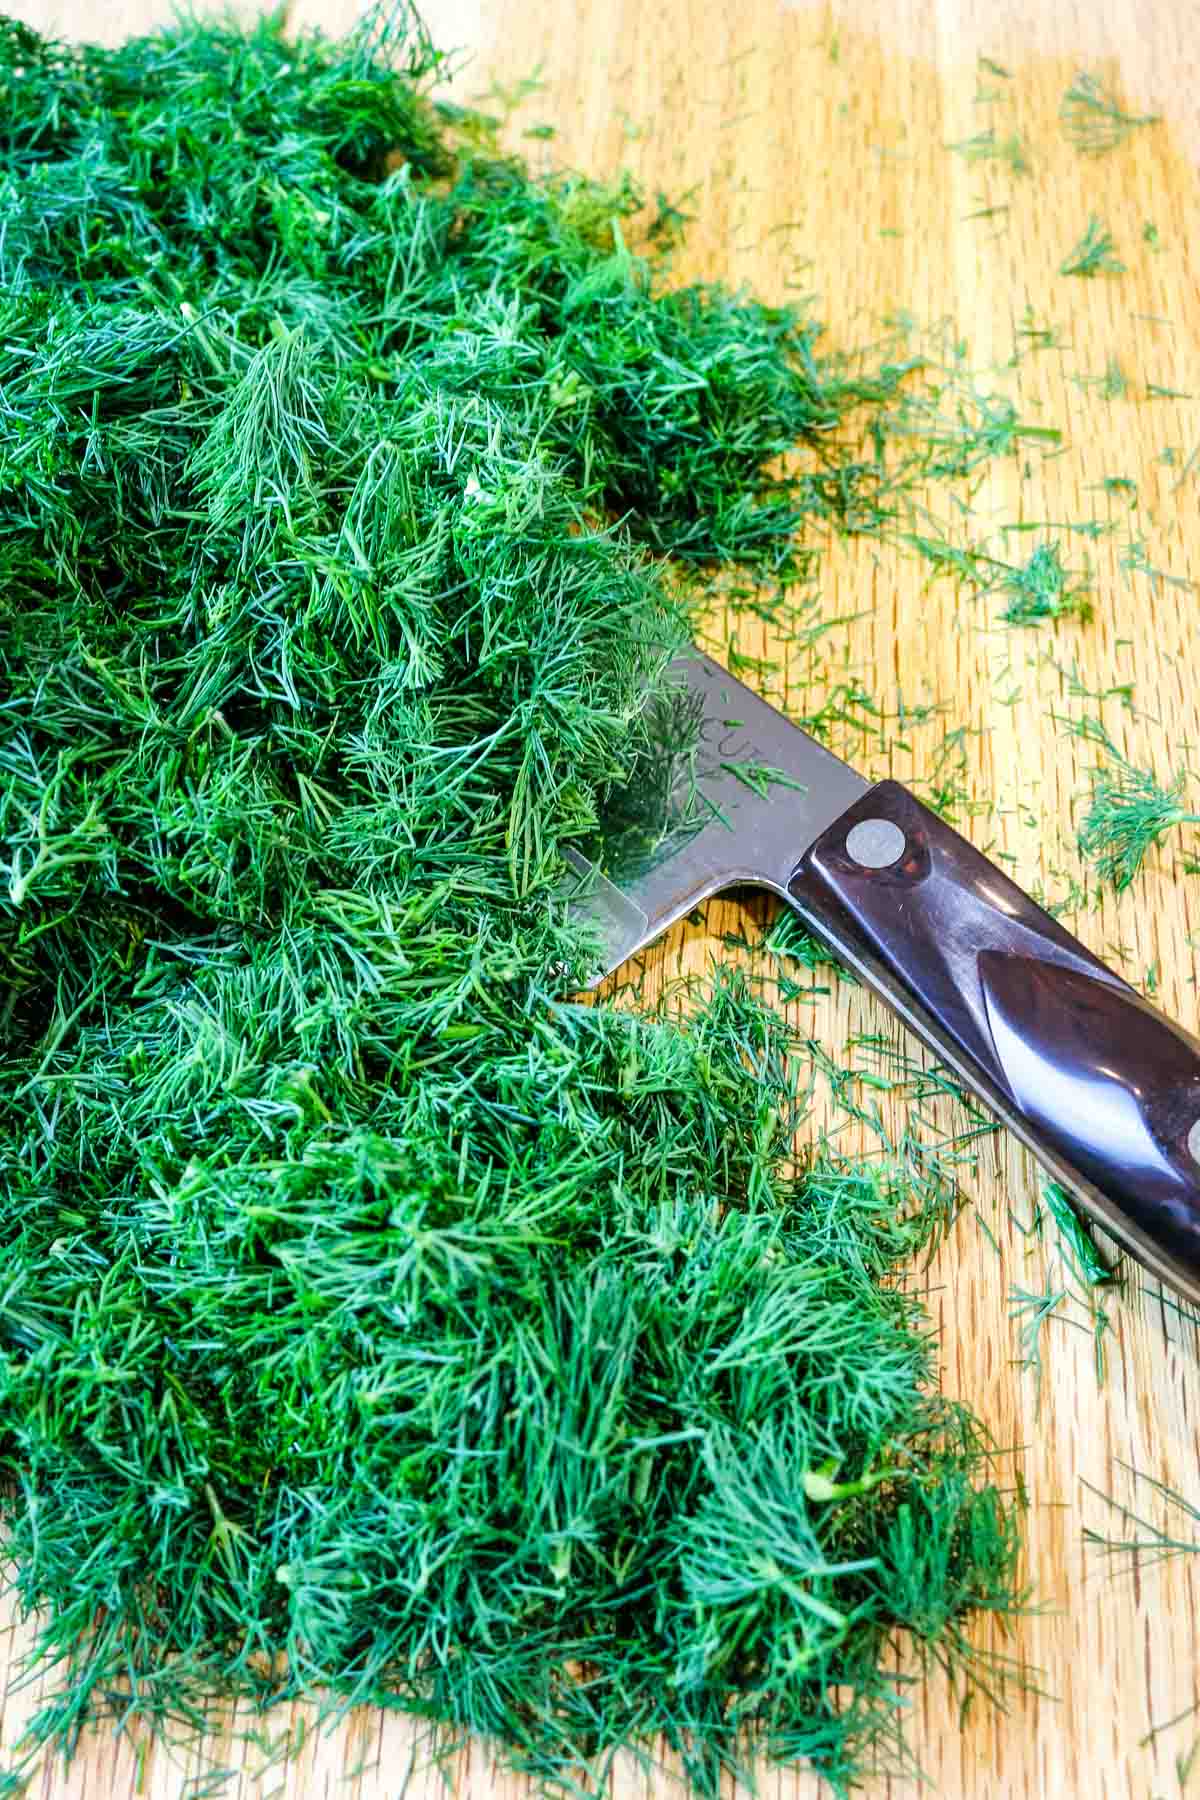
(1100, 1086)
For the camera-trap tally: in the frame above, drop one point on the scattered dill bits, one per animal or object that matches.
(1128, 811)
(1043, 588)
(1076, 1278)
(1077, 1237)
(1123, 485)
(1094, 254)
(987, 146)
(1135, 560)
(1035, 334)
(378, 1323)
(1093, 118)
(1112, 385)
(1150, 1541)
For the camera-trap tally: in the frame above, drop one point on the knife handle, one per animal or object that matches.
(1102, 1088)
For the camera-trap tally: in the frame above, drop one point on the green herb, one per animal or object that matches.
(1032, 1312)
(1075, 1276)
(1043, 588)
(1094, 254)
(1075, 1235)
(1128, 811)
(1135, 560)
(1036, 335)
(1112, 385)
(377, 1323)
(1093, 119)
(1190, 466)
(1149, 1541)
(985, 146)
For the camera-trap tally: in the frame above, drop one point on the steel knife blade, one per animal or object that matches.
(1102, 1087)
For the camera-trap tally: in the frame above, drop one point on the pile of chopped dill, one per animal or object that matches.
(377, 1319)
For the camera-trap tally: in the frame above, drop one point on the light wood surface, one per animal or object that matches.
(814, 138)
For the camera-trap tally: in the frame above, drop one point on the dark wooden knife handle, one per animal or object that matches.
(1103, 1088)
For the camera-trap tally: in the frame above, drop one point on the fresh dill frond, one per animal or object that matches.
(1039, 589)
(988, 146)
(1093, 119)
(1036, 334)
(1076, 1236)
(1135, 560)
(962, 562)
(1112, 385)
(1128, 811)
(1032, 1311)
(1094, 254)
(1043, 588)
(1151, 1541)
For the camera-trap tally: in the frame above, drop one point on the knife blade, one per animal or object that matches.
(1101, 1087)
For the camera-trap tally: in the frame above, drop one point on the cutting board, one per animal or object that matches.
(813, 142)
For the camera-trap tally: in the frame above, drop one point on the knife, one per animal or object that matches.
(1101, 1087)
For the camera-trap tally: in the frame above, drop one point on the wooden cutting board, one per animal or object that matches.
(814, 140)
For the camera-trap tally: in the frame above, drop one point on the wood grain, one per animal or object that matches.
(814, 140)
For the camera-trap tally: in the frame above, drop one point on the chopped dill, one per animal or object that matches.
(1037, 335)
(379, 1323)
(1093, 118)
(1076, 1236)
(1135, 560)
(1094, 254)
(1112, 385)
(1149, 1540)
(986, 146)
(1043, 588)
(1032, 1312)
(1076, 1279)
(1128, 811)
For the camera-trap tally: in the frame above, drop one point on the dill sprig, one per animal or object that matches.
(376, 1322)
(1094, 254)
(1093, 118)
(1112, 385)
(1043, 588)
(1150, 1541)
(1076, 1278)
(1129, 811)
(988, 146)
(1076, 1236)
